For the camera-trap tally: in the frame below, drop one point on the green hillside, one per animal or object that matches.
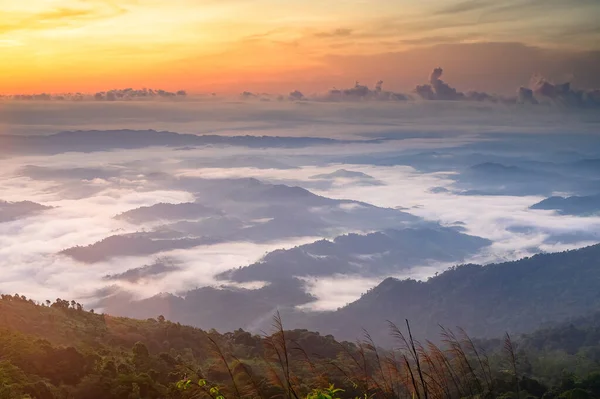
(60, 350)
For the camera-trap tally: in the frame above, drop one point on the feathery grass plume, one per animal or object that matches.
(511, 352)
(273, 377)
(415, 389)
(277, 342)
(359, 373)
(405, 347)
(467, 370)
(364, 367)
(442, 360)
(322, 377)
(435, 375)
(219, 353)
(253, 387)
(397, 377)
(408, 345)
(482, 359)
(370, 345)
(412, 345)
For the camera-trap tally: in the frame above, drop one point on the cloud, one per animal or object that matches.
(564, 94)
(526, 96)
(339, 32)
(437, 89)
(360, 93)
(58, 17)
(296, 95)
(465, 6)
(542, 91)
(124, 180)
(127, 94)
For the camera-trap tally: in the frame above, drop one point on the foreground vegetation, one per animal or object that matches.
(60, 350)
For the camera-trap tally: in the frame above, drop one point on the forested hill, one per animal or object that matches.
(59, 350)
(517, 296)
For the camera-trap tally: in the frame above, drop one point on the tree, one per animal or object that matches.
(140, 350)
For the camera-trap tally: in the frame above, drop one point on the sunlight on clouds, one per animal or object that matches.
(79, 44)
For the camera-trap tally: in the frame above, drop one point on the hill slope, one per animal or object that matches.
(62, 351)
(485, 300)
(585, 205)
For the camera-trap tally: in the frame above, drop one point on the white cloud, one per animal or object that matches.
(84, 210)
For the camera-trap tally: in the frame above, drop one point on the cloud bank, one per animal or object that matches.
(208, 207)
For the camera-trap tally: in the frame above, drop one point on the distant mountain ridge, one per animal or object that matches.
(486, 300)
(10, 211)
(575, 205)
(229, 210)
(374, 254)
(103, 140)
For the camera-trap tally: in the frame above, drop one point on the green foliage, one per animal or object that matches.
(327, 393)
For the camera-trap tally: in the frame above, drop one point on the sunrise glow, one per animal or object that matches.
(227, 45)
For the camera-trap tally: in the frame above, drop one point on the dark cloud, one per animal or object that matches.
(564, 94)
(248, 95)
(127, 94)
(542, 91)
(525, 96)
(437, 89)
(361, 92)
(296, 95)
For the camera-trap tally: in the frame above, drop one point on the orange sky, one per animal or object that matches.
(231, 45)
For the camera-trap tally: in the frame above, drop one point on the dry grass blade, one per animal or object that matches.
(370, 344)
(412, 377)
(221, 356)
(447, 368)
(254, 386)
(437, 377)
(412, 345)
(463, 362)
(279, 344)
(482, 361)
(510, 349)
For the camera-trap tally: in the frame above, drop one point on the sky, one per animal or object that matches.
(280, 45)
